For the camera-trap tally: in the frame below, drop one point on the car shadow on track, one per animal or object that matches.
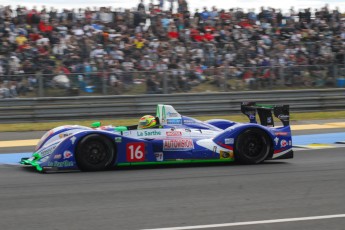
(29, 169)
(193, 165)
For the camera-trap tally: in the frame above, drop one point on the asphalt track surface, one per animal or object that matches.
(311, 184)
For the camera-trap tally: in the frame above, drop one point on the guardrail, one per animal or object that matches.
(100, 107)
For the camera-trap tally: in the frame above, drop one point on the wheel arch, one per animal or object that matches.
(101, 135)
(268, 134)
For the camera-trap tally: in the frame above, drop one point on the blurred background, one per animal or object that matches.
(161, 46)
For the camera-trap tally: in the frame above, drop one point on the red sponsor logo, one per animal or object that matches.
(283, 143)
(178, 144)
(67, 154)
(174, 133)
(281, 133)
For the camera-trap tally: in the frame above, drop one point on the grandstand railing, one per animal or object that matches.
(14, 110)
(218, 79)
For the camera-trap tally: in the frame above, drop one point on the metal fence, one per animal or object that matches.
(198, 80)
(100, 107)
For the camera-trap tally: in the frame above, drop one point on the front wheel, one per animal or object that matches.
(252, 146)
(95, 153)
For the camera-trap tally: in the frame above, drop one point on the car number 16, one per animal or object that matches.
(135, 152)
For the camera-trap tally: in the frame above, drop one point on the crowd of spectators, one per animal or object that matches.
(92, 44)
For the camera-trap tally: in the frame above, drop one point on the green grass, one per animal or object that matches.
(116, 122)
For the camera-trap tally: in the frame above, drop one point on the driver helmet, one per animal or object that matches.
(146, 122)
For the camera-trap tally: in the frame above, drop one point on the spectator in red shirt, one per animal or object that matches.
(34, 36)
(209, 36)
(44, 27)
(173, 34)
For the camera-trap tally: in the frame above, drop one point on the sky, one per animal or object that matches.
(193, 4)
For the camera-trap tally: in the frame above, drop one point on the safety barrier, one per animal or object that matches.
(100, 107)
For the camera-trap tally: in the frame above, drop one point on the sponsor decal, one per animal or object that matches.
(251, 116)
(159, 156)
(229, 141)
(118, 139)
(126, 133)
(283, 143)
(148, 133)
(73, 139)
(215, 149)
(61, 164)
(174, 133)
(269, 120)
(178, 144)
(44, 159)
(283, 116)
(276, 140)
(226, 154)
(67, 154)
(281, 133)
(47, 151)
(57, 157)
(174, 121)
(63, 135)
(290, 142)
(170, 114)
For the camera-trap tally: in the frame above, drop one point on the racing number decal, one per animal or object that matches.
(135, 152)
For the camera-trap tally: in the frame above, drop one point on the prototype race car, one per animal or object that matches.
(177, 139)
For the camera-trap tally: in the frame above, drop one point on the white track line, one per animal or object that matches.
(253, 222)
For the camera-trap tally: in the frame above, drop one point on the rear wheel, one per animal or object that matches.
(252, 146)
(94, 153)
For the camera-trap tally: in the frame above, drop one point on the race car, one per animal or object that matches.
(174, 139)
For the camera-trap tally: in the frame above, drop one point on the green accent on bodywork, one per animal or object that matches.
(177, 162)
(163, 114)
(96, 124)
(157, 111)
(37, 156)
(33, 162)
(121, 128)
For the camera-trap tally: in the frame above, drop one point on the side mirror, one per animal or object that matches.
(96, 124)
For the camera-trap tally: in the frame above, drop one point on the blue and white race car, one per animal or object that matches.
(177, 139)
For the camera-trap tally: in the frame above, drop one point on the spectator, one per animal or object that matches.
(259, 47)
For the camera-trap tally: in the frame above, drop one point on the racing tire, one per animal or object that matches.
(252, 146)
(95, 153)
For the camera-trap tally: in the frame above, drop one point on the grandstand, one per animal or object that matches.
(151, 49)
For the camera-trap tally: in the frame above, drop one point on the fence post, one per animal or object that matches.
(282, 75)
(225, 78)
(165, 82)
(104, 83)
(335, 74)
(40, 84)
(272, 73)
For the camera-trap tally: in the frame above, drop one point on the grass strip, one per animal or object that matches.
(43, 126)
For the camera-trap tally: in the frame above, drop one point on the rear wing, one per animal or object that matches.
(265, 113)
